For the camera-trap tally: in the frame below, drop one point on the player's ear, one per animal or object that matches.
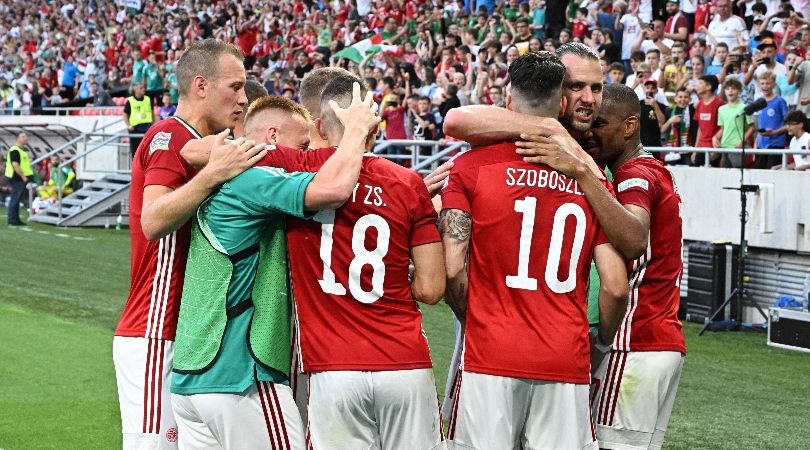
(563, 104)
(631, 125)
(320, 128)
(271, 136)
(509, 102)
(198, 86)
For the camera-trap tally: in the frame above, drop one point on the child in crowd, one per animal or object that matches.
(770, 122)
(800, 142)
(676, 128)
(734, 130)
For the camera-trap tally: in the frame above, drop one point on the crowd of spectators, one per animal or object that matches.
(424, 57)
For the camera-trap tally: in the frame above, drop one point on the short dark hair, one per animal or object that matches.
(254, 91)
(711, 80)
(733, 83)
(620, 98)
(616, 66)
(313, 84)
(578, 49)
(340, 90)
(536, 82)
(796, 116)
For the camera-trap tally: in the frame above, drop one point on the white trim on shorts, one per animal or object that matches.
(142, 371)
(635, 416)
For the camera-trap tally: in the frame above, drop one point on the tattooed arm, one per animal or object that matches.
(455, 227)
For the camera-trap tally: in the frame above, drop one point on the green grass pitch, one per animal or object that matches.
(61, 292)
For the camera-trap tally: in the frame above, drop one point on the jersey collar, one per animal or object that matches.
(188, 126)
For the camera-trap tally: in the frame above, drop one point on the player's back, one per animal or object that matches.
(651, 321)
(532, 240)
(156, 267)
(350, 272)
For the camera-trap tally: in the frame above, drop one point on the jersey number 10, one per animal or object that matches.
(362, 256)
(528, 207)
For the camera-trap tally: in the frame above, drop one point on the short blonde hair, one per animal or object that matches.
(270, 102)
(767, 75)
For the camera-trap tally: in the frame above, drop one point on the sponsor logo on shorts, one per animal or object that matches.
(633, 182)
(160, 142)
(171, 434)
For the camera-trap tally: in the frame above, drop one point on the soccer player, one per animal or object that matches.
(483, 125)
(636, 385)
(232, 354)
(529, 236)
(359, 330)
(164, 194)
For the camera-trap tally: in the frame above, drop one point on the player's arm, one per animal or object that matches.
(455, 227)
(335, 181)
(483, 124)
(197, 151)
(627, 227)
(613, 290)
(429, 273)
(165, 209)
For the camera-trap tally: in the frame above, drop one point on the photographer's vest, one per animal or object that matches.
(205, 310)
(140, 111)
(25, 162)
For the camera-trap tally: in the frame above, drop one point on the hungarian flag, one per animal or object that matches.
(373, 44)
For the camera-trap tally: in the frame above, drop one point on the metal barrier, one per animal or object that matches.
(731, 151)
(412, 151)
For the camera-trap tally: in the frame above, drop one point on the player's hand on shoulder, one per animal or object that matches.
(560, 152)
(229, 158)
(436, 179)
(361, 115)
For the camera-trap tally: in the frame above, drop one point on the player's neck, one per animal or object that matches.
(194, 117)
(633, 151)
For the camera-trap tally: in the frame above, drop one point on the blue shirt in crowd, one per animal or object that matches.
(772, 118)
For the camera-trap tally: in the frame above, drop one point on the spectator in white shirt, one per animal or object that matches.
(726, 27)
(794, 121)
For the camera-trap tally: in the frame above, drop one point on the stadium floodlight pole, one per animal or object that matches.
(739, 290)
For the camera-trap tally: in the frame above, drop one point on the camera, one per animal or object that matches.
(650, 95)
(765, 61)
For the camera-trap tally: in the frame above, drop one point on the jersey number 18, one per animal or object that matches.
(362, 256)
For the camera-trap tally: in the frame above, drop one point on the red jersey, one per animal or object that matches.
(651, 321)
(706, 118)
(350, 269)
(702, 15)
(533, 235)
(579, 28)
(156, 267)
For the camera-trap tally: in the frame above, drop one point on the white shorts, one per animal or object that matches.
(493, 412)
(262, 417)
(453, 373)
(142, 370)
(385, 410)
(635, 392)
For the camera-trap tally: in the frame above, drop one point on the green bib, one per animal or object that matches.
(205, 309)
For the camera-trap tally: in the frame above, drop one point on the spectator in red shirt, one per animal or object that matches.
(579, 26)
(706, 118)
(394, 116)
(676, 27)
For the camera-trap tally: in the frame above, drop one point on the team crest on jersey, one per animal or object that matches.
(160, 142)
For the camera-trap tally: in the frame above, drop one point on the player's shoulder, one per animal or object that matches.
(382, 168)
(169, 133)
(484, 155)
(643, 172)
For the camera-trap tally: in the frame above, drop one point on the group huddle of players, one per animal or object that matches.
(274, 291)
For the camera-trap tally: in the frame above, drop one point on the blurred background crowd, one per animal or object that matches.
(425, 57)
